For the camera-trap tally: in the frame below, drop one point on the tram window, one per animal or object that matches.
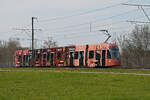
(108, 55)
(44, 56)
(91, 54)
(76, 55)
(48, 56)
(19, 58)
(26, 58)
(98, 56)
(58, 55)
(37, 57)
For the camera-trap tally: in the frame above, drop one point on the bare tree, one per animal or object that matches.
(3, 47)
(13, 45)
(7, 50)
(50, 43)
(135, 48)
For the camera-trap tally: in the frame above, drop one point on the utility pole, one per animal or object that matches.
(141, 7)
(27, 31)
(135, 5)
(32, 30)
(33, 40)
(138, 22)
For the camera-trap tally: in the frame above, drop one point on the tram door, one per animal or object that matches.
(81, 58)
(98, 57)
(52, 59)
(71, 58)
(103, 57)
(24, 60)
(27, 60)
(66, 56)
(44, 59)
(30, 60)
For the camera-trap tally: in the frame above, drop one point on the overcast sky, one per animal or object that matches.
(69, 27)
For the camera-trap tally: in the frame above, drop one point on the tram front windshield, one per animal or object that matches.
(115, 53)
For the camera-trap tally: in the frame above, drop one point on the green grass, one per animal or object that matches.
(145, 71)
(36, 85)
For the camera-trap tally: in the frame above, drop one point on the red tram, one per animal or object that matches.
(90, 55)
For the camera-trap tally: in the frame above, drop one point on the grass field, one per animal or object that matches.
(50, 84)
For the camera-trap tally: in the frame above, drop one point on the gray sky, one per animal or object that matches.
(69, 27)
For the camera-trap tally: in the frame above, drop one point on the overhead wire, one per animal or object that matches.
(77, 36)
(88, 22)
(80, 14)
(83, 13)
(106, 18)
(95, 21)
(77, 33)
(92, 28)
(84, 32)
(105, 24)
(77, 25)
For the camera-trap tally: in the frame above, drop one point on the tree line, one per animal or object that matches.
(8, 48)
(135, 48)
